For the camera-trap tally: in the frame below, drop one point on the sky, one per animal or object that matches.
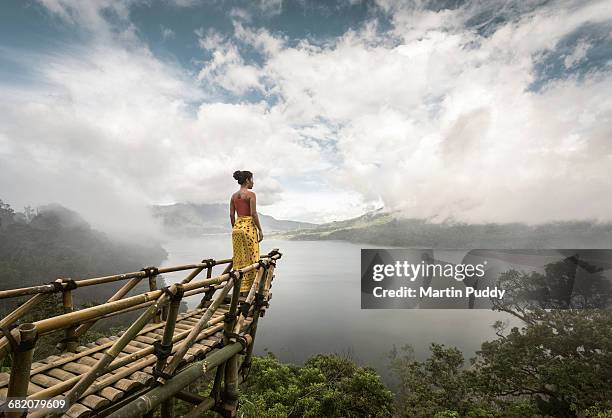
(474, 111)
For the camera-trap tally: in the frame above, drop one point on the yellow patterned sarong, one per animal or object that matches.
(246, 249)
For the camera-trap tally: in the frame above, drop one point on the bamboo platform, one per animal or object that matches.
(155, 359)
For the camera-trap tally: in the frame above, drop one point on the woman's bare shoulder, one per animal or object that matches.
(243, 195)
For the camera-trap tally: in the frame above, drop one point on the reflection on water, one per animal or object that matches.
(316, 306)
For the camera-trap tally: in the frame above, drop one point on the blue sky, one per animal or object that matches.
(469, 110)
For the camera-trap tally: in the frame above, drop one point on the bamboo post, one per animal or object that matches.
(209, 294)
(259, 300)
(167, 408)
(152, 276)
(246, 305)
(230, 390)
(165, 347)
(202, 323)
(215, 392)
(229, 404)
(166, 342)
(70, 339)
(22, 362)
(206, 404)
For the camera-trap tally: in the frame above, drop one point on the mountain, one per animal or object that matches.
(391, 229)
(194, 219)
(53, 241)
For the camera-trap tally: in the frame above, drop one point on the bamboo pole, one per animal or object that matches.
(244, 311)
(23, 309)
(230, 394)
(63, 360)
(110, 354)
(170, 324)
(83, 328)
(50, 288)
(215, 392)
(123, 361)
(167, 409)
(145, 304)
(230, 390)
(203, 322)
(246, 364)
(268, 282)
(152, 288)
(158, 394)
(62, 321)
(153, 298)
(22, 361)
(70, 338)
(206, 404)
(192, 398)
(202, 407)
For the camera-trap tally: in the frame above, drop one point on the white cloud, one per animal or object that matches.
(430, 118)
(577, 55)
(167, 33)
(440, 122)
(94, 16)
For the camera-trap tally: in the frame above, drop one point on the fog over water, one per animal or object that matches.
(316, 306)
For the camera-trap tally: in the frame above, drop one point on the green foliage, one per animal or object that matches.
(561, 361)
(386, 229)
(36, 248)
(59, 243)
(557, 365)
(326, 386)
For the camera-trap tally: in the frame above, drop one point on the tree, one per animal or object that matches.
(326, 386)
(6, 214)
(558, 364)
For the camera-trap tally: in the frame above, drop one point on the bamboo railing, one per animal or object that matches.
(163, 348)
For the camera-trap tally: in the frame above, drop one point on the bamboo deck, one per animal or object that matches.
(151, 363)
(124, 381)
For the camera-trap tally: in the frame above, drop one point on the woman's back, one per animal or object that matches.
(242, 205)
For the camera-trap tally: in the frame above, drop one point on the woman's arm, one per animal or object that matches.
(232, 210)
(253, 203)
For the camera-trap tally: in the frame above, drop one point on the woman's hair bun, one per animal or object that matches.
(242, 176)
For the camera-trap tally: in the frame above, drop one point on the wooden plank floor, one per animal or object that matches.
(126, 380)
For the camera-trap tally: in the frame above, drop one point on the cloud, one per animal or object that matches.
(167, 33)
(434, 115)
(269, 7)
(105, 18)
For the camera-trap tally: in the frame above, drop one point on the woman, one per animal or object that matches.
(246, 230)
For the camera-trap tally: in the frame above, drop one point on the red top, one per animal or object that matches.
(243, 206)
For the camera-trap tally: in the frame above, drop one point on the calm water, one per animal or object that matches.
(316, 307)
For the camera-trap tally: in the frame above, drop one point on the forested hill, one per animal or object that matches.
(38, 246)
(194, 219)
(389, 229)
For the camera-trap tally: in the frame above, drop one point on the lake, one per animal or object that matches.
(316, 306)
